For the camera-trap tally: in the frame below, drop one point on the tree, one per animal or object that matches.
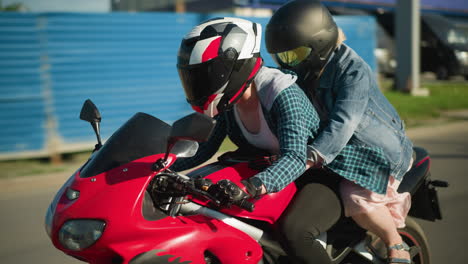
(15, 7)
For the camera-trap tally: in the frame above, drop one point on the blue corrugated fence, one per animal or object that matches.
(125, 62)
(22, 104)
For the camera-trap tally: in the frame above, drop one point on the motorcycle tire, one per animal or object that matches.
(414, 236)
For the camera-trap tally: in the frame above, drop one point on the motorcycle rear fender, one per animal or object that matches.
(425, 202)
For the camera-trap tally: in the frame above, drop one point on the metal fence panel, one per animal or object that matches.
(360, 34)
(125, 62)
(22, 104)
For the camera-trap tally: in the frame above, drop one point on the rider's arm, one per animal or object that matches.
(351, 101)
(207, 149)
(295, 117)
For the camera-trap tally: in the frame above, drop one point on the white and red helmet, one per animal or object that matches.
(217, 60)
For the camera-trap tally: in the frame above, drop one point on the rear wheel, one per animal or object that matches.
(414, 236)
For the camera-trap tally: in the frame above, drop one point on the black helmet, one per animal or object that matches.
(217, 60)
(301, 35)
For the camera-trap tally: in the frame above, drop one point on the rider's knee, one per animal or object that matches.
(314, 210)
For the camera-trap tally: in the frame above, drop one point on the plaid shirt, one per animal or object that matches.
(294, 121)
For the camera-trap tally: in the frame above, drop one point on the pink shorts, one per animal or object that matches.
(358, 200)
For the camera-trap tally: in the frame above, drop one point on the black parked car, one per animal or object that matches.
(444, 44)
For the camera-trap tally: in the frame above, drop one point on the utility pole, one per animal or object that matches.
(180, 6)
(408, 37)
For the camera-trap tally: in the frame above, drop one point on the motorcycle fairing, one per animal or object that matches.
(114, 196)
(202, 235)
(117, 196)
(180, 240)
(153, 257)
(268, 208)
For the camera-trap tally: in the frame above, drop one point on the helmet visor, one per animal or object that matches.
(292, 58)
(203, 80)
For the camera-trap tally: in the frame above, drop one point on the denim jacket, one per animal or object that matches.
(358, 112)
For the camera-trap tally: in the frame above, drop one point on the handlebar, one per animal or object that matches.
(246, 205)
(174, 184)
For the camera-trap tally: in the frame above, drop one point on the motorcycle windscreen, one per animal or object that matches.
(142, 135)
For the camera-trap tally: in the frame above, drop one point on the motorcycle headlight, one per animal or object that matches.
(72, 194)
(80, 234)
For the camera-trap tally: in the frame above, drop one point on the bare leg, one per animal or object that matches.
(380, 222)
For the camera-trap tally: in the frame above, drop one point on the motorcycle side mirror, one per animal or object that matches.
(194, 127)
(90, 113)
(185, 148)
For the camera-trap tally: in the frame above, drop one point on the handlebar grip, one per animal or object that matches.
(246, 205)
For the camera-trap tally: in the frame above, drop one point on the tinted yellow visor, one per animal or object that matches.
(294, 57)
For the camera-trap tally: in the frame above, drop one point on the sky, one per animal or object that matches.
(63, 5)
(442, 4)
(105, 5)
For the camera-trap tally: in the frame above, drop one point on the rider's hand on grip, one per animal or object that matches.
(228, 193)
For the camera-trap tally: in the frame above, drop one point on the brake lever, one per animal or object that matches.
(203, 193)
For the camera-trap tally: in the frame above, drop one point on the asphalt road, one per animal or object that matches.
(23, 203)
(449, 161)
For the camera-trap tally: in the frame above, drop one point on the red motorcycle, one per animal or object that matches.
(125, 205)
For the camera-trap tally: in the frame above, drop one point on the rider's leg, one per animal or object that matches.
(314, 210)
(379, 221)
(380, 214)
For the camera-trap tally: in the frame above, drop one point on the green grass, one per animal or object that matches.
(416, 110)
(27, 167)
(227, 146)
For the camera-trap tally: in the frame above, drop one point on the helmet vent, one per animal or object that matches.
(208, 32)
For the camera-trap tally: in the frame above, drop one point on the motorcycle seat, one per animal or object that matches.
(418, 173)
